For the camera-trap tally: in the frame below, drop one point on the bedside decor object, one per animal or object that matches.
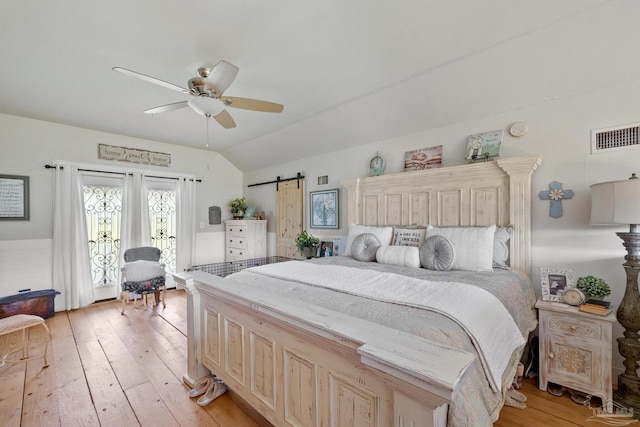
(377, 165)
(14, 197)
(238, 206)
(593, 287)
(307, 244)
(618, 202)
(573, 296)
(324, 209)
(554, 282)
(556, 194)
(423, 158)
(484, 146)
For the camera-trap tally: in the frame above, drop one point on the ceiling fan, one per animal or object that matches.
(207, 90)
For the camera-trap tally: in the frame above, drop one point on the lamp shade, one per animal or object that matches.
(616, 202)
(208, 107)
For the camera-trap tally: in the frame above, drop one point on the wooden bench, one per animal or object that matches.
(22, 322)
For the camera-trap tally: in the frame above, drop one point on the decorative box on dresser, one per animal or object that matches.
(245, 239)
(575, 349)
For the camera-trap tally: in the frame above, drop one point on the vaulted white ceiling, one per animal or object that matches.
(348, 72)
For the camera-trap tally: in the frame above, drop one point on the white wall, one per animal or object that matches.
(559, 130)
(26, 145)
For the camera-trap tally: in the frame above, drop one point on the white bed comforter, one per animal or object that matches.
(489, 325)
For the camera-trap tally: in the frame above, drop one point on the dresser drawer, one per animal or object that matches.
(566, 325)
(237, 241)
(236, 230)
(235, 254)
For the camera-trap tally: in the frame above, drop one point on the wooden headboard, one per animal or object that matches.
(495, 192)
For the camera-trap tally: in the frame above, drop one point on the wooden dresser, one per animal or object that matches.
(575, 349)
(245, 239)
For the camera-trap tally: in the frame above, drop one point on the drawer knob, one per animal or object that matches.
(552, 356)
(573, 328)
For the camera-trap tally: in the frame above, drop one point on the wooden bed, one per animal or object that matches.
(302, 365)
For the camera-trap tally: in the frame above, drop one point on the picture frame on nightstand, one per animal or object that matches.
(554, 281)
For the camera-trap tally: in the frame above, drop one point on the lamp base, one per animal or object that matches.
(628, 315)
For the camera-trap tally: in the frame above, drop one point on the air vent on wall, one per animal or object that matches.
(615, 138)
(323, 180)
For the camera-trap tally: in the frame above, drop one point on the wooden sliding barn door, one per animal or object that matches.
(288, 216)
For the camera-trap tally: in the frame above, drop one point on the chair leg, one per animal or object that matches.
(46, 345)
(124, 296)
(162, 295)
(25, 347)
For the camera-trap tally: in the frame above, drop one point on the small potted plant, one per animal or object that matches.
(307, 244)
(238, 206)
(593, 287)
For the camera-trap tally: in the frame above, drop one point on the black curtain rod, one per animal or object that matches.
(279, 180)
(117, 173)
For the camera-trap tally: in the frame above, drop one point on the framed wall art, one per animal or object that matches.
(554, 281)
(14, 197)
(323, 208)
(484, 146)
(423, 158)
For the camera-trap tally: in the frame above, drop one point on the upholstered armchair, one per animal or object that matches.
(143, 274)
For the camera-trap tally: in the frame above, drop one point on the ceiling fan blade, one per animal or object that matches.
(225, 120)
(221, 76)
(168, 107)
(150, 79)
(252, 104)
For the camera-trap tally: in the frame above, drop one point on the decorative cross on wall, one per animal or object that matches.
(556, 194)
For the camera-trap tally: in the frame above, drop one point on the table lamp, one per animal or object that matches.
(618, 202)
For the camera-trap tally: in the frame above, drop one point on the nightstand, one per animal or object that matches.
(575, 349)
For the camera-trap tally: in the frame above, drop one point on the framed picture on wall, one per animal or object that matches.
(554, 281)
(14, 197)
(323, 209)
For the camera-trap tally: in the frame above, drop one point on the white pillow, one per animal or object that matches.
(141, 270)
(408, 236)
(364, 247)
(501, 247)
(407, 256)
(382, 233)
(473, 246)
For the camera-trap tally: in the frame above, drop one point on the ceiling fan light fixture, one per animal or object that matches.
(208, 107)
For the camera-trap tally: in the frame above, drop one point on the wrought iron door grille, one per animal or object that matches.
(103, 208)
(162, 218)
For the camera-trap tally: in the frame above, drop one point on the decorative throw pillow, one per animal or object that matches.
(501, 247)
(382, 233)
(407, 256)
(473, 246)
(408, 236)
(437, 253)
(364, 247)
(140, 270)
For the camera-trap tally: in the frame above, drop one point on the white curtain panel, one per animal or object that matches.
(71, 264)
(186, 223)
(135, 230)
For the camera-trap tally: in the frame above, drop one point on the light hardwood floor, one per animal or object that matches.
(112, 370)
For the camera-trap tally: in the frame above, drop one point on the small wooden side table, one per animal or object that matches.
(575, 349)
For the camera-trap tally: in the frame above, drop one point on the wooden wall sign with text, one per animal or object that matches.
(133, 155)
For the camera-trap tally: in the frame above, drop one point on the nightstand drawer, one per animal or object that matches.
(577, 327)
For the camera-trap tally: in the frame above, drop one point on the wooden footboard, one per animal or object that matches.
(308, 366)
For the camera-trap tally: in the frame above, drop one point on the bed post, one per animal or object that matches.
(520, 170)
(195, 369)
